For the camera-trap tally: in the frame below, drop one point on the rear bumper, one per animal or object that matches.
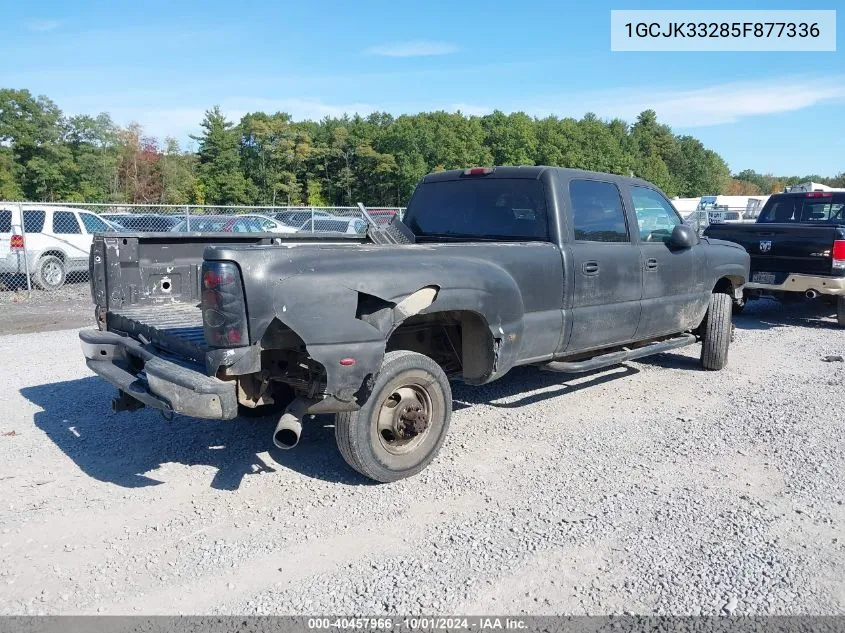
(155, 381)
(803, 283)
(13, 264)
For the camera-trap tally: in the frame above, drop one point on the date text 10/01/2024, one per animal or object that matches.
(419, 623)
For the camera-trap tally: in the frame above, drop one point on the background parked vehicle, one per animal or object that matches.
(295, 219)
(145, 222)
(797, 248)
(334, 224)
(252, 223)
(50, 242)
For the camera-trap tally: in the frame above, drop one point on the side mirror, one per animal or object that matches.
(683, 237)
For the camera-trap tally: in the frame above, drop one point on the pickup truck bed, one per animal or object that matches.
(172, 325)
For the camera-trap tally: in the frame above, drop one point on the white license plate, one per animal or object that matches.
(763, 278)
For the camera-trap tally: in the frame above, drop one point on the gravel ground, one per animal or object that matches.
(651, 488)
(69, 306)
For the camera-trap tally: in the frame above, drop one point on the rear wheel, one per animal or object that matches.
(716, 332)
(401, 427)
(49, 273)
(840, 311)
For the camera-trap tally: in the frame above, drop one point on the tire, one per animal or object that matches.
(716, 332)
(49, 273)
(840, 311)
(382, 443)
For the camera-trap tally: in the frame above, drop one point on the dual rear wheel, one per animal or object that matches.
(402, 425)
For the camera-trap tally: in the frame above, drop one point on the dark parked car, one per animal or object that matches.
(797, 248)
(564, 269)
(144, 222)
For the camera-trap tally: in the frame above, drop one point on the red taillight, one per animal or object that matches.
(819, 194)
(211, 280)
(16, 242)
(838, 254)
(223, 305)
(478, 171)
(234, 337)
(347, 362)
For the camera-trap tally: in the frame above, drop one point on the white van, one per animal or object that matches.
(55, 241)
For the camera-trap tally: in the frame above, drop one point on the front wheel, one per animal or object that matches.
(716, 331)
(401, 427)
(840, 311)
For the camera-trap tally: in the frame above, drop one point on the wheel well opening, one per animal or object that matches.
(457, 340)
(726, 285)
(58, 254)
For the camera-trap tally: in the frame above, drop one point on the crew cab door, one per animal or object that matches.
(606, 271)
(673, 279)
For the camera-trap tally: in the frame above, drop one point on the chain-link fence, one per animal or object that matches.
(44, 247)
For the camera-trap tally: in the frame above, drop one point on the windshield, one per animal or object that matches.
(802, 208)
(479, 208)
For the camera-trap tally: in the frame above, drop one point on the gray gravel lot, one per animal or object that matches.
(652, 487)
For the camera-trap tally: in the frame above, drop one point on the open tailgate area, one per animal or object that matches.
(148, 286)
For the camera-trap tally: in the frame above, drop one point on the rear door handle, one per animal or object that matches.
(651, 264)
(590, 268)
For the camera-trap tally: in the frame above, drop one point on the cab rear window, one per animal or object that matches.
(510, 209)
(823, 209)
(5, 221)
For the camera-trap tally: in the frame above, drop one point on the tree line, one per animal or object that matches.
(272, 159)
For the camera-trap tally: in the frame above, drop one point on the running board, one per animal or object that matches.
(614, 358)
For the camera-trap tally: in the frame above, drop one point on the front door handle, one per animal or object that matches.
(651, 264)
(590, 268)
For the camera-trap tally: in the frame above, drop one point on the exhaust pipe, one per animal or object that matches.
(289, 427)
(287, 431)
(811, 294)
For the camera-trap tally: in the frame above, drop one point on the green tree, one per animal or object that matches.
(512, 139)
(32, 128)
(177, 173)
(219, 168)
(9, 187)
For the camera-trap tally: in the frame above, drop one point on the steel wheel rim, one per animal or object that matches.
(52, 273)
(395, 419)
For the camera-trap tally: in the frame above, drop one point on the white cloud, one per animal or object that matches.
(43, 26)
(708, 105)
(683, 108)
(417, 48)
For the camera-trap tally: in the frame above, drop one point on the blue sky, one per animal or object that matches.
(163, 63)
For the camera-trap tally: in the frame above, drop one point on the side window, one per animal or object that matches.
(5, 221)
(597, 212)
(65, 223)
(33, 221)
(93, 224)
(655, 216)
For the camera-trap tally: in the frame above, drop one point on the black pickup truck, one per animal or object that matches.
(507, 266)
(797, 248)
